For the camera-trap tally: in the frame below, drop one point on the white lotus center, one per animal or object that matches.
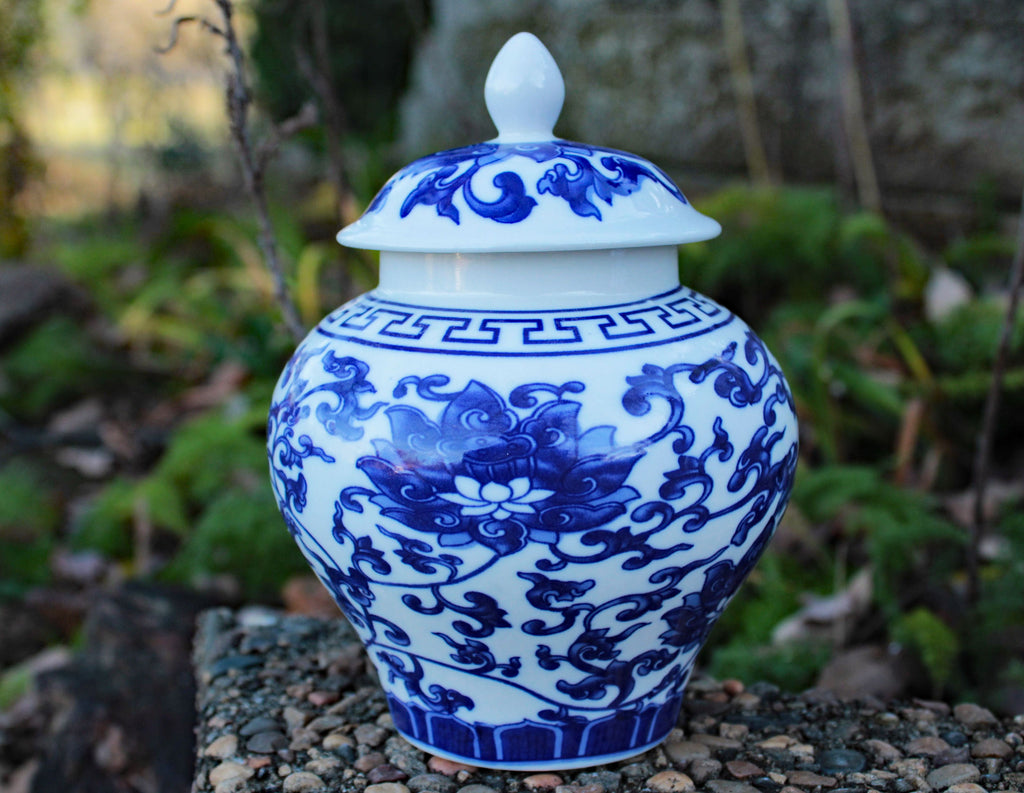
(495, 499)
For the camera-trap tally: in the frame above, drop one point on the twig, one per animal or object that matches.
(743, 88)
(983, 455)
(253, 158)
(853, 107)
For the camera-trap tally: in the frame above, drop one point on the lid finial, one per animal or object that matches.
(524, 91)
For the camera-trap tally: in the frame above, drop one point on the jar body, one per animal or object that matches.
(533, 516)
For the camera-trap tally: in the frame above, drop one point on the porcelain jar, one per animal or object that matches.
(530, 466)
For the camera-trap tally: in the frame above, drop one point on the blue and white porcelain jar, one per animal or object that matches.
(530, 466)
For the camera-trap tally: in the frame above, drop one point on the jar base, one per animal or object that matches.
(530, 765)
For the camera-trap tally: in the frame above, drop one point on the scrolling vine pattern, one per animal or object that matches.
(501, 475)
(580, 175)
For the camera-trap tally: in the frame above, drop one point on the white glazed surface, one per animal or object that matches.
(635, 458)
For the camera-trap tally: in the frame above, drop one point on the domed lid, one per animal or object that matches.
(527, 190)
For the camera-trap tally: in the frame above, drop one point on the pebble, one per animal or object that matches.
(703, 769)
(222, 748)
(303, 739)
(475, 788)
(386, 773)
(435, 782)
(954, 737)
(266, 742)
(736, 731)
(323, 765)
(226, 771)
(716, 741)
(926, 746)
(729, 786)
(336, 740)
(743, 769)
(960, 754)
(369, 761)
(606, 780)
(294, 718)
(302, 781)
(809, 779)
(259, 724)
(992, 747)
(370, 734)
(387, 787)
(841, 761)
(683, 752)
(965, 787)
(974, 716)
(732, 687)
(543, 781)
(322, 698)
(325, 723)
(447, 767)
(671, 781)
(955, 773)
(882, 750)
(777, 742)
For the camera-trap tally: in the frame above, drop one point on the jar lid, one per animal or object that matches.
(527, 190)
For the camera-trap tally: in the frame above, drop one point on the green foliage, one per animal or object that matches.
(792, 667)
(240, 532)
(210, 488)
(967, 339)
(905, 536)
(28, 520)
(56, 363)
(933, 640)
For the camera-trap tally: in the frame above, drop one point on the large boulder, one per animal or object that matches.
(942, 84)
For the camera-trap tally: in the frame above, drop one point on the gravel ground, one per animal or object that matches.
(292, 704)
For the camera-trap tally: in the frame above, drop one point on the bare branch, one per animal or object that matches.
(238, 99)
(983, 455)
(166, 11)
(307, 117)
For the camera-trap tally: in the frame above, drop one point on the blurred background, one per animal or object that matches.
(864, 158)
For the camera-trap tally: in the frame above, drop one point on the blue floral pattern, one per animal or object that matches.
(583, 176)
(456, 481)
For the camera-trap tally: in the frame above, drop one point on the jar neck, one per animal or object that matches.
(531, 280)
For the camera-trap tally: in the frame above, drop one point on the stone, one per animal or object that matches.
(882, 750)
(369, 761)
(703, 769)
(809, 779)
(229, 770)
(259, 724)
(974, 716)
(543, 781)
(322, 698)
(266, 742)
(325, 723)
(303, 739)
(223, 747)
(736, 731)
(302, 782)
(683, 752)
(716, 741)
(954, 737)
(965, 787)
(323, 765)
(370, 734)
(386, 773)
(475, 788)
(992, 747)
(439, 783)
(671, 781)
(608, 780)
(336, 740)
(776, 742)
(743, 769)
(926, 746)
(729, 786)
(959, 754)
(841, 761)
(952, 774)
(732, 687)
(441, 765)
(294, 718)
